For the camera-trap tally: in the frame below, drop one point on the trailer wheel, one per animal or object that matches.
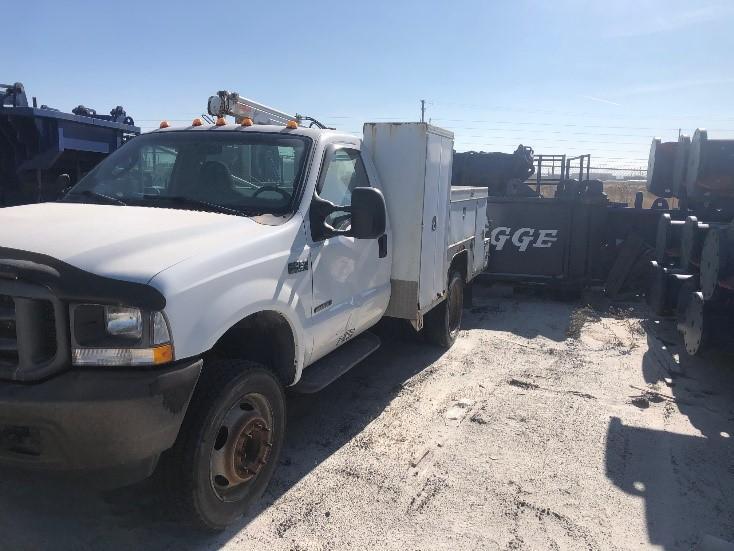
(228, 445)
(442, 324)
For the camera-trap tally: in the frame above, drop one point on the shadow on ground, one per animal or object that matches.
(687, 481)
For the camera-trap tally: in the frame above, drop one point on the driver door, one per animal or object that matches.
(351, 277)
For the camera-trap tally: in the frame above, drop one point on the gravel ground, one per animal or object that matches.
(547, 426)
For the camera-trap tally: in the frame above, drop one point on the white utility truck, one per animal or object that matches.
(154, 316)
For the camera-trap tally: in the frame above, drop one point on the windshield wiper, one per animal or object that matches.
(190, 201)
(97, 195)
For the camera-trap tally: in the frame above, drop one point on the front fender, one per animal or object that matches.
(207, 296)
(199, 319)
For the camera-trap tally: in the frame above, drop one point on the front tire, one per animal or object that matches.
(443, 323)
(228, 445)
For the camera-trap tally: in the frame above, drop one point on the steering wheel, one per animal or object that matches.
(285, 194)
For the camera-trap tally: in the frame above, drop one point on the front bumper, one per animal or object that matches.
(108, 421)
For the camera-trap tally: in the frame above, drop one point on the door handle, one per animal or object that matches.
(382, 246)
(433, 224)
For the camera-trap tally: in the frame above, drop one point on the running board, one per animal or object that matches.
(328, 369)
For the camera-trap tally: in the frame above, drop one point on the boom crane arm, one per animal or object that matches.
(230, 103)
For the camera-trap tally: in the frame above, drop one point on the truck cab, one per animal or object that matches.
(151, 319)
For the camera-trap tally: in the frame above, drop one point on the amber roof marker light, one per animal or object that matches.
(247, 121)
(220, 121)
(164, 124)
(197, 122)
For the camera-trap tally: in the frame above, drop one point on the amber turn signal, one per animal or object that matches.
(162, 354)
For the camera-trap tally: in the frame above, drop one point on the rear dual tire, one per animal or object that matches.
(442, 324)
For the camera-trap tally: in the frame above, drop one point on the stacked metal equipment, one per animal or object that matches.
(496, 171)
(38, 144)
(693, 271)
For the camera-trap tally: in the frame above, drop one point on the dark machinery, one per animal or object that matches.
(699, 171)
(574, 236)
(710, 172)
(553, 229)
(692, 277)
(495, 171)
(38, 144)
(660, 167)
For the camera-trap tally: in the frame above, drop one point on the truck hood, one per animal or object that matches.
(123, 242)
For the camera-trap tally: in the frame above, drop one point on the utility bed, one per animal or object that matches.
(431, 222)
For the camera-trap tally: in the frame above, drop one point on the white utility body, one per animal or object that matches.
(222, 262)
(431, 221)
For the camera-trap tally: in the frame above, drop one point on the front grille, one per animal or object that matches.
(8, 334)
(28, 335)
(47, 329)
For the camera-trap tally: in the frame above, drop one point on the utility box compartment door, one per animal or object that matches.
(481, 237)
(432, 281)
(413, 161)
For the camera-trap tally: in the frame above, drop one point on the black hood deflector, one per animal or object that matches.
(73, 284)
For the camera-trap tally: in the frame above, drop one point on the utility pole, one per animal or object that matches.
(423, 110)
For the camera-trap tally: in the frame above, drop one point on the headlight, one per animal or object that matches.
(119, 336)
(123, 322)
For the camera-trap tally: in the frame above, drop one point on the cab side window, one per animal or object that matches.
(344, 172)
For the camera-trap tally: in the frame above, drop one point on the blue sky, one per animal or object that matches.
(563, 76)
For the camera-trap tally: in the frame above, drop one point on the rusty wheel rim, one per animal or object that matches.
(242, 446)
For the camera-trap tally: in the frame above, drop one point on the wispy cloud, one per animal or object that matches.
(602, 100)
(665, 22)
(659, 87)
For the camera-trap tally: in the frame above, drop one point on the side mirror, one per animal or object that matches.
(367, 214)
(369, 217)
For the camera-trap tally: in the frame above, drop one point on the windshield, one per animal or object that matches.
(233, 172)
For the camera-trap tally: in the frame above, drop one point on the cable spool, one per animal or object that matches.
(717, 262)
(691, 243)
(680, 165)
(664, 287)
(684, 296)
(660, 167)
(667, 241)
(706, 326)
(710, 167)
(656, 290)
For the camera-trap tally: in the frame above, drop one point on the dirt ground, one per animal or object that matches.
(548, 425)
